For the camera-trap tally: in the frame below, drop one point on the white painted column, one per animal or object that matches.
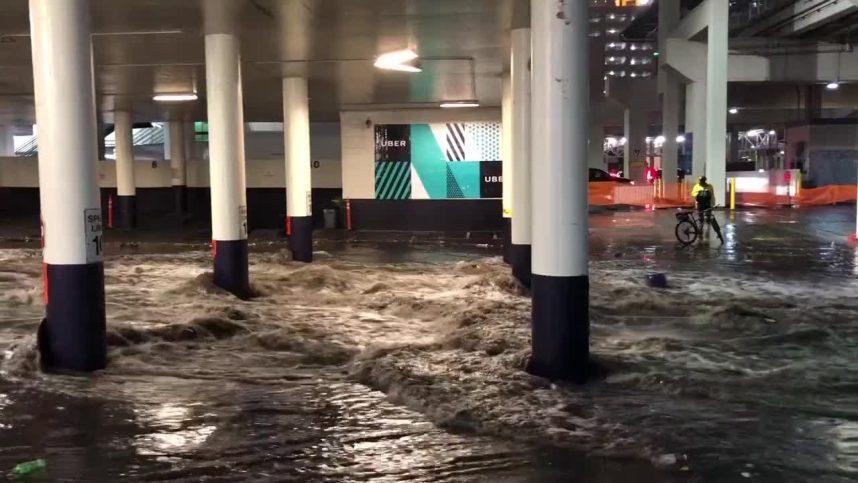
(73, 335)
(522, 156)
(124, 153)
(296, 135)
(7, 142)
(168, 150)
(190, 141)
(177, 154)
(178, 165)
(506, 164)
(635, 124)
(695, 124)
(226, 149)
(125, 205)
(560, 284)
(716, 97)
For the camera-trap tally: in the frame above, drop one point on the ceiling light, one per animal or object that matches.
(833, 86)
(680, 139)
(772, 132)
(734, 110)
(398, 60)
(459, 104)
(182, 97)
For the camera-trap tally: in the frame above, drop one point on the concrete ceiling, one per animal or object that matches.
(143, 47)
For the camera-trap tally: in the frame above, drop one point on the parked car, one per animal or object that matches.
(597, 174)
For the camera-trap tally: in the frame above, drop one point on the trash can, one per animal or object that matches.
(330, 217)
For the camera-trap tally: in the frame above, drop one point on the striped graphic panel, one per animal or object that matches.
(454, 191)
(455, 148)
(392, 180)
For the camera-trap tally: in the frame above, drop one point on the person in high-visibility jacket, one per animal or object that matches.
(704, 196)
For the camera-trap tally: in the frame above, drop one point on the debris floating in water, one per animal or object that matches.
(656, 280)
(29, 467)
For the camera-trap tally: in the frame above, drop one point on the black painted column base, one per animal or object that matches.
(519, 259)
(180, 197)
(72, 336)
(230, 267)
(301, 238)
(561, 327)
(507, 239)
(126, 212)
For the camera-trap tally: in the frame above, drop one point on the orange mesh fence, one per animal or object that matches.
(825, 195)
(647, 195)
(828, 195)
(679, 195)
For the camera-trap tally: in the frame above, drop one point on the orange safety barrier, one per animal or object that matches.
(825, 195)
(607, 193)
(677, 195)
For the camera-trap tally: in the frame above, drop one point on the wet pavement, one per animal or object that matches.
(399, 356)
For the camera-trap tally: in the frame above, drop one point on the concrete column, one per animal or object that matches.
(669, 86)
(506, 165)
(716, 98)
(670, 128)
(72, 336)
(178, 166)
(299, 197)
(226, 149)
(168, 153)
(695, 123)
(635, 150)
(522, 156)
(560, 284)
(596, 142)
(7, 142)
(812, 102)
(125, 208)
(190, 137)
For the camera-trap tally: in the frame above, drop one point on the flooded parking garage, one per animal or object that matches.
(403, 357)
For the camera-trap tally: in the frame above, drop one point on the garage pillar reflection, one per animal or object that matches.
(296, 136)
(520, 252)
(226, 148)
(126, 216)
(560, 284)
(72, 337)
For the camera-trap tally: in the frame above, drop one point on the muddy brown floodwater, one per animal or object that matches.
(403, 358)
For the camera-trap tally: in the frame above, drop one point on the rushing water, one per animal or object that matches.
(371, 364)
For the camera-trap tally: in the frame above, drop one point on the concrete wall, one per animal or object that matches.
(265, 165)
(831, 152)
(358, 140)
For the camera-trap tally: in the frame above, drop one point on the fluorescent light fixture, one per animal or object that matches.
(680, 139)
(833, 86)
(398, 61)
(459, 104)
(179, 97)
(734, 110)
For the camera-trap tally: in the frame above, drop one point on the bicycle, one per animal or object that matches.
(691, 225)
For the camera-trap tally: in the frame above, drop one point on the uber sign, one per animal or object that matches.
(392, 142)
(491, 179)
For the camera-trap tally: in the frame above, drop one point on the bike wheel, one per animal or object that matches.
(686, 232)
